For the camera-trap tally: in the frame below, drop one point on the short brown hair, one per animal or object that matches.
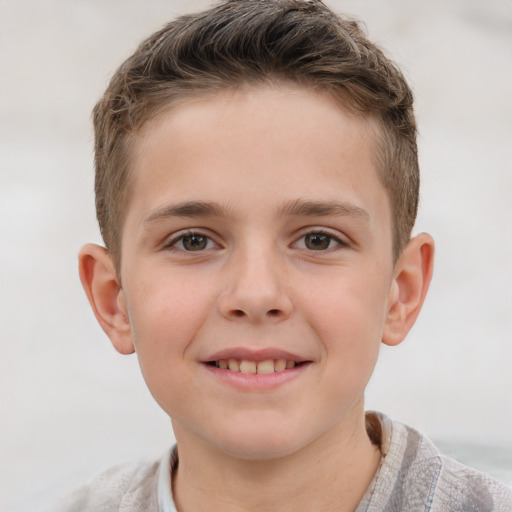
(252, 42)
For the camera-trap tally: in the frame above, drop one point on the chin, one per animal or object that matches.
(259, 449)
(261, 442)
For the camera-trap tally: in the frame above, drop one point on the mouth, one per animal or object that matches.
(250, 370)
(249, 366)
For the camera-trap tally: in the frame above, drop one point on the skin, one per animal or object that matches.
(260, 171)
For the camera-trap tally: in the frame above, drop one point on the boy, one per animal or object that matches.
(256, 188)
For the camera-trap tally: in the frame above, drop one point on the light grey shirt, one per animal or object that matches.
(412, 477)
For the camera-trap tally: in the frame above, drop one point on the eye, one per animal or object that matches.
(192, 242)
(318, 241)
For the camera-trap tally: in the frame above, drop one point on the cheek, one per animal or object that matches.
(348, 316)
(353, 300)
(165, 315)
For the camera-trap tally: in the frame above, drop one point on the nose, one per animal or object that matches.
(255, 288)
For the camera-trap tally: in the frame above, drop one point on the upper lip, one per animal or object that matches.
(242, 353)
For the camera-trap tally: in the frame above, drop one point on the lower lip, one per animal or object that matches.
(256, 381)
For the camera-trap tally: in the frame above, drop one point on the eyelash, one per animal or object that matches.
(340, 243)
(171, 244)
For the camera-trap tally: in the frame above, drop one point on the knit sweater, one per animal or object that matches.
(412, 477)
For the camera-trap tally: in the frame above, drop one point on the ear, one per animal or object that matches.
(101, 285)
(413, 273)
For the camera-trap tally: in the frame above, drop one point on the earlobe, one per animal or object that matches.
(101, 285)
(413, 273)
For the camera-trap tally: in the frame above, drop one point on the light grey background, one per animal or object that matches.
(70, 405)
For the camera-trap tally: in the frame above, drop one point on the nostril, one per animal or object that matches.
(273, 312)
(238, 313)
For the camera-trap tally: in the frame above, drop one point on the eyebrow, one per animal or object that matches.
(187, 209)
(300, 207)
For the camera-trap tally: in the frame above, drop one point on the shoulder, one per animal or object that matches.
(122, 488)
(414, 475)
(476, 491)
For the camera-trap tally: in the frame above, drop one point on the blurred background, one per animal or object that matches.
(70, 405)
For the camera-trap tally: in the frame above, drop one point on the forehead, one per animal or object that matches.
(274, 104)
(276, 144)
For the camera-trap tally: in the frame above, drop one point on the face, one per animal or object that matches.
(257, 268)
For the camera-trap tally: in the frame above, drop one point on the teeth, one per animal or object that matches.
(266, 366)
(234, 365)
(253, 367)
(280, 365)
(247, 366)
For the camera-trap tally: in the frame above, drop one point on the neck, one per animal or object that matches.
(330, 474)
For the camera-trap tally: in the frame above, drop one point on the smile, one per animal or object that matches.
(254, 367)
(255, 370)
